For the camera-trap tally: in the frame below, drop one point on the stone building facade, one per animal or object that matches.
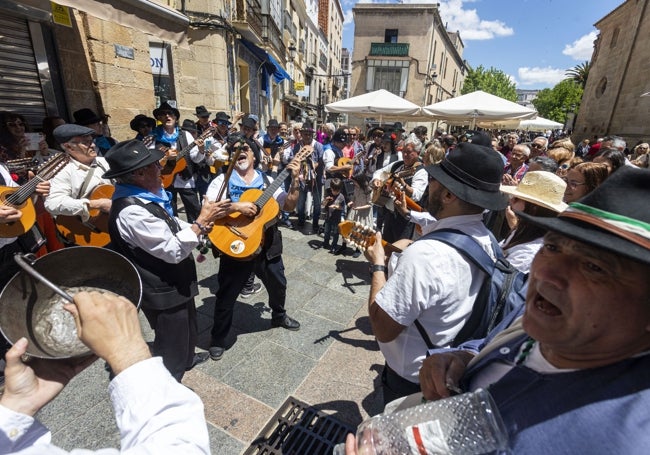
(612, 101)
(124, 57)
(411, 55)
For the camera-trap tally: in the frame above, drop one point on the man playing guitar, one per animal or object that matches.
(71, 188)
(267, 265)
(171, 139)
(414, 182)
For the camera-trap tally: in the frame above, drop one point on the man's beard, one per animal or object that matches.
(242, 165)
(434, 202)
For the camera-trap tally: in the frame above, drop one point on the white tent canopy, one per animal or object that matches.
(379, 103)
(539, 124)
(477, 107)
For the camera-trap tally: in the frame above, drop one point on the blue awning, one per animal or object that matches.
(270, 65)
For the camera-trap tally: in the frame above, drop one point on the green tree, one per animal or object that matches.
(579, 73)
(554, 103)
(492, 81)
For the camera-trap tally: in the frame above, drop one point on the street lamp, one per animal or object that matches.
(292, 50)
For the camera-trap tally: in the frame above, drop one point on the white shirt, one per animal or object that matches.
(194, 154)
(140, 228)
(521, 256)
(64, 198)
(154, 413)
(433, 283)
(10, 183)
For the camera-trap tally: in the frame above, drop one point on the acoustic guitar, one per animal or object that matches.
(381, 193)
(363, 237)
(93, 232)
(20, 197)
(172, 166)
(241, 237)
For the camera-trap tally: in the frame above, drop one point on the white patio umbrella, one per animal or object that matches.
(379, 103)
(539, 124)
(476, 107)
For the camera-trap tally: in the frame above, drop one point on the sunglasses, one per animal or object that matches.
(537, 146)
(223, 123)
(243, 148)
(170, 113)
(15, 124)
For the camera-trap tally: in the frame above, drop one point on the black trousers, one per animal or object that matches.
(395, 386)
(175, 336)
(232, 277)
(396, 227)
(190, 200)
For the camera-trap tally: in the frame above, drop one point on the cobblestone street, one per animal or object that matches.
(331, 363)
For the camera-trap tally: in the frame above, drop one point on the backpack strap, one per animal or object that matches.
(471, 250)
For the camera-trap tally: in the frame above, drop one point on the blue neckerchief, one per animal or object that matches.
(126, 190)
(102, 143)
(267, 140)
(163, 136)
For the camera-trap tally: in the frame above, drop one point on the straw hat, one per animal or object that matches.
(541, 188)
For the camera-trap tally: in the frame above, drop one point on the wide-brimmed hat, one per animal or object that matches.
(397, 126)
(615, 216)
(472, 173)
(127, 156)
(142, 119)
(222, 117)
(273, 123)
(201, 111)
(63, 133)
(189, 125)
(166, 107)
(541, 188)
(85, 117)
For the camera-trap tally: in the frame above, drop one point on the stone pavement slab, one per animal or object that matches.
(332, 363)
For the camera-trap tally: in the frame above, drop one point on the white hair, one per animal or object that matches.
(413, 139)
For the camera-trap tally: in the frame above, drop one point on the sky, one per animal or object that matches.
(532, 41)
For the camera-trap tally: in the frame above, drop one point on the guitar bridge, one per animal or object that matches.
(237, 232)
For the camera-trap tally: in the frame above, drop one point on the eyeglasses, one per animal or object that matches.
(165, 113)
(15, 124)
(573, 184)
(144, 126)
(536, 146)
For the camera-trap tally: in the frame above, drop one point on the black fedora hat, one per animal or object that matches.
(127, 156)
(615, 216)
(140, 120)
(85, 117)
(273, 123)
(166, 107)
(472, 173)
(308, 127)
(397, 126)
(189, 125)
(201, 111)
(222, 117)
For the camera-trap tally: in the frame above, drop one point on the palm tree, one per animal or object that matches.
(579, 73)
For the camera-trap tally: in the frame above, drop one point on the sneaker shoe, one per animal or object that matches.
(198, 359)
(246, 293)
(326, 245)
(356, 254)
(286, 323)
(340, 250)
(216, 352)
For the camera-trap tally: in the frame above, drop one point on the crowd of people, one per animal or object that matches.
(572, 219)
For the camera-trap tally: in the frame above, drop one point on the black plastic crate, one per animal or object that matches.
(299, 429)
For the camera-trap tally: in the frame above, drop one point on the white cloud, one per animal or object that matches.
(348, 17)
(582, 48)
(470, 25)
(537, 75)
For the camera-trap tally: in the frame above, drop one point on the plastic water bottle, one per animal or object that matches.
(466, 424)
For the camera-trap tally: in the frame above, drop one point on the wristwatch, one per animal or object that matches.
(377, 268)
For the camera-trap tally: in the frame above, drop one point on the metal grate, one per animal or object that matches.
(298, 429)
